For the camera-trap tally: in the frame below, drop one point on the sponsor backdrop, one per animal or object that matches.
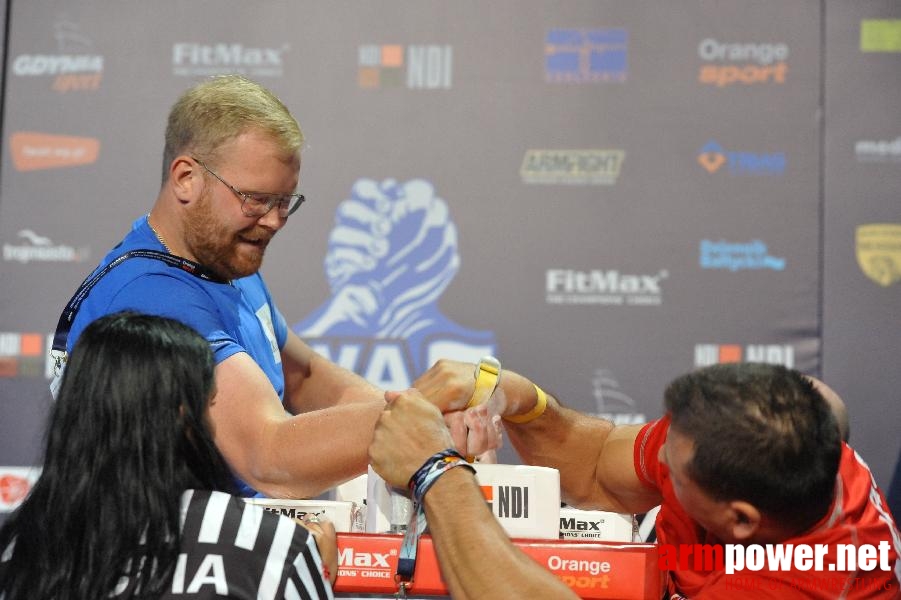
(603, 194)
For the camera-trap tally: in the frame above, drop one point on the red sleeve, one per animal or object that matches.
(647, 447)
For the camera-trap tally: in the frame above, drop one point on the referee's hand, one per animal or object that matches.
(323, 532)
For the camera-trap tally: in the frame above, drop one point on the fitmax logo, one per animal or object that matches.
(713, 158)
(349, 558)
(577, 525)
(189, 59)
(570, 286)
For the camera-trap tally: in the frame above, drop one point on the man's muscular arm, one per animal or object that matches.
(297, 456)
(594, 457)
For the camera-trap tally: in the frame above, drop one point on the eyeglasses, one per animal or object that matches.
(257, 204)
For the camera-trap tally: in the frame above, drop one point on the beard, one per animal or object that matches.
(229, 254)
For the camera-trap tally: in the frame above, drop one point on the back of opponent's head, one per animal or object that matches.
(763, 434)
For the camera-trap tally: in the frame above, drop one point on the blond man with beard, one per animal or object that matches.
(289, 422)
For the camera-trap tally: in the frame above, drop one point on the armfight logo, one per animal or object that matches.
(878, 249)
(572, 167)
(390, 257)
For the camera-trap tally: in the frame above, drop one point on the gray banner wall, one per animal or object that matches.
(627, 190)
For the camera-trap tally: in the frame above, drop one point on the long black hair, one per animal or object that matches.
(126, 436)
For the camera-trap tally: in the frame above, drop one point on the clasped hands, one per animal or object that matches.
(433, 416)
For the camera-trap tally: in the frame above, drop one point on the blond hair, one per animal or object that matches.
(222, 108)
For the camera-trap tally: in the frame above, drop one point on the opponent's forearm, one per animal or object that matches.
(307, 454)
(476, 556)
(323, 383)
(594, 458)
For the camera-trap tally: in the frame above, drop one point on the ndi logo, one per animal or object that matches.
(737, 257)
(416, 67)
(774, 354)
(713, 157)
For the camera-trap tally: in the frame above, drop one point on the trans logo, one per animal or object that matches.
(391, 255)
(713, 156)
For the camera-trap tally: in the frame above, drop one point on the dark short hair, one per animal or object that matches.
(763, 434)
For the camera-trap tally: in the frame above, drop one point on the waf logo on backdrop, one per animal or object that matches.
(586, 55)
(880, 35)
(774, 354)
(713, 158)
(572, 167)
(606, 287)
(391, 255)
(731, 63)
(25, 354)
(732, 256)
(878, 248)
(15, 483)
(194, 59)
(414, 67)
(37, 248)
(34, 151)
(73, 67)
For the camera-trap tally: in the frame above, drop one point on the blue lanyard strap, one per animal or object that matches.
(68, 315)
(422, 480)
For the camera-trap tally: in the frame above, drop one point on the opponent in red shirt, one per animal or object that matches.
(748, 459)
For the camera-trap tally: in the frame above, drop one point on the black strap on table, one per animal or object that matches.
(68, 315)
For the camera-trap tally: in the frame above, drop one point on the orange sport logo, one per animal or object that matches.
(32, 151)
(729, 63)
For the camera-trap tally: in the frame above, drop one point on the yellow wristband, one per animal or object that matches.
(487, 374)
(533, 414)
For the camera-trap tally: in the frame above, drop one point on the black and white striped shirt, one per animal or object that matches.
(231, 549)
(237, 550)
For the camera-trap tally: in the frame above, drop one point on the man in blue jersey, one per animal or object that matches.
(289, 422)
